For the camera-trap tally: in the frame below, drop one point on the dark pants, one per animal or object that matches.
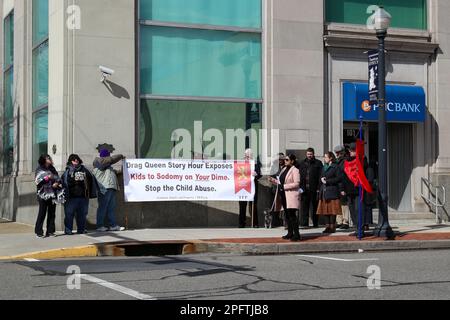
(243, 213)
(76, 208)
(107, 208)
(46, 209)
(309, 201)
(291, 218)
(252, 209)
(353, 205)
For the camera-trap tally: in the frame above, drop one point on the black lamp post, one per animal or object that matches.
(382, 20)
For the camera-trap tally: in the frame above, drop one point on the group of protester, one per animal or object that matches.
(321, 190)
(74, 189)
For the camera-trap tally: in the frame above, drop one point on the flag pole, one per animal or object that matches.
(360, 226)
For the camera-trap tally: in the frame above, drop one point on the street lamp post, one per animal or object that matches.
(382, 20)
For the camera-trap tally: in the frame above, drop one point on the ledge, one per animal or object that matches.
(359, 37)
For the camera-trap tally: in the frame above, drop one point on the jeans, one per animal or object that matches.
(107, 208)
(78, 208)
(46, 208)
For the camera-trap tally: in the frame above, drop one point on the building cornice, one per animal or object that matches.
(359, 37)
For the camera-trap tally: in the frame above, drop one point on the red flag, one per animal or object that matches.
(355, 169)
(242, 176)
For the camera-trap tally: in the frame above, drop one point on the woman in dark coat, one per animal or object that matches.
(49, 193)
(329, 194)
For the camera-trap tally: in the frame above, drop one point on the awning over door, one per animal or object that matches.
(404, 103)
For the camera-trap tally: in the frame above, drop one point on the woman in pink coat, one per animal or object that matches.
(287, 196)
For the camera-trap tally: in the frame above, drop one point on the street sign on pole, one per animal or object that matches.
(373, 76)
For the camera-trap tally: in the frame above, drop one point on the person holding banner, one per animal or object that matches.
(287, 196)
(248, 156)
(357, 183)
(108, 186)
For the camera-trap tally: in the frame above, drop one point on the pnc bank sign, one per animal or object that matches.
(403, 103)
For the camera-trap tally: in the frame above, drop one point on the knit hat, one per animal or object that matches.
(104, 153)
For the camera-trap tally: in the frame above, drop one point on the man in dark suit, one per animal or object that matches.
(310, 172)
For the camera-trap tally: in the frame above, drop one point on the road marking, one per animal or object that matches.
(337, 259)
(110, 285)
(116, 287)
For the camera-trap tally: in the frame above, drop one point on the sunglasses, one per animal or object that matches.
(286, 160)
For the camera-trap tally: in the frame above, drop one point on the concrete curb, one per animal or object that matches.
(199, 246)
(61, 253)
(319, 247)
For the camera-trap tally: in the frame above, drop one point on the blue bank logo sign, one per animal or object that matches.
(403, 103)
(393, 107)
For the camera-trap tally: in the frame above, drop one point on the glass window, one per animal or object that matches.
(192, 62)
(40, 76)
(160, 118)
(40, 133)
(9, 94)
(9, 40)
(8, 148)
(411, 14)
(40, 21)
(237, 13)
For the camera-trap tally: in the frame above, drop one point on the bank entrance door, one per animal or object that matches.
(400, 158)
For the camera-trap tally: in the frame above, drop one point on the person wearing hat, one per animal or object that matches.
(108, 185)
(79, 186)
(343, 221)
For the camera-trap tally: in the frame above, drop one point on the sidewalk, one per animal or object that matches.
(17, 241)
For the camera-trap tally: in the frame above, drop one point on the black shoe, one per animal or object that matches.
(241, 226)
(40, 236)
(296, 239)
(339, 226)
(287, 237)
(50, 235)
(344, 227)
(327, 231)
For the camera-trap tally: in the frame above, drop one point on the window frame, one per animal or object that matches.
(7, 123)
(39, 108)
(139, 23)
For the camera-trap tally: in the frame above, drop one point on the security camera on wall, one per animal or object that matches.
(106, 72)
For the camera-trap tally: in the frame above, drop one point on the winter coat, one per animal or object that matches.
(45, 178)
(310, 172)
(291, 189)
(331, 190)
(105, 174)
(79, 183)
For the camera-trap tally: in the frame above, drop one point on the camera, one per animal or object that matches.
(105, 72)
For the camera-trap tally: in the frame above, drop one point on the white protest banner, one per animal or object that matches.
(188, 180)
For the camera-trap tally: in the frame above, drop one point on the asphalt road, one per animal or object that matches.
(404, 275)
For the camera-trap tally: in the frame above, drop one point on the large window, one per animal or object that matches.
(8, 94)
(40, 78)
(411, 14)
(200, 60)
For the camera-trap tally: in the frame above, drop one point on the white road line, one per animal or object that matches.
(116, 287)
(337, 259)
(110, 285)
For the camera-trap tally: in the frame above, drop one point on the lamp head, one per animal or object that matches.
(382, 20)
